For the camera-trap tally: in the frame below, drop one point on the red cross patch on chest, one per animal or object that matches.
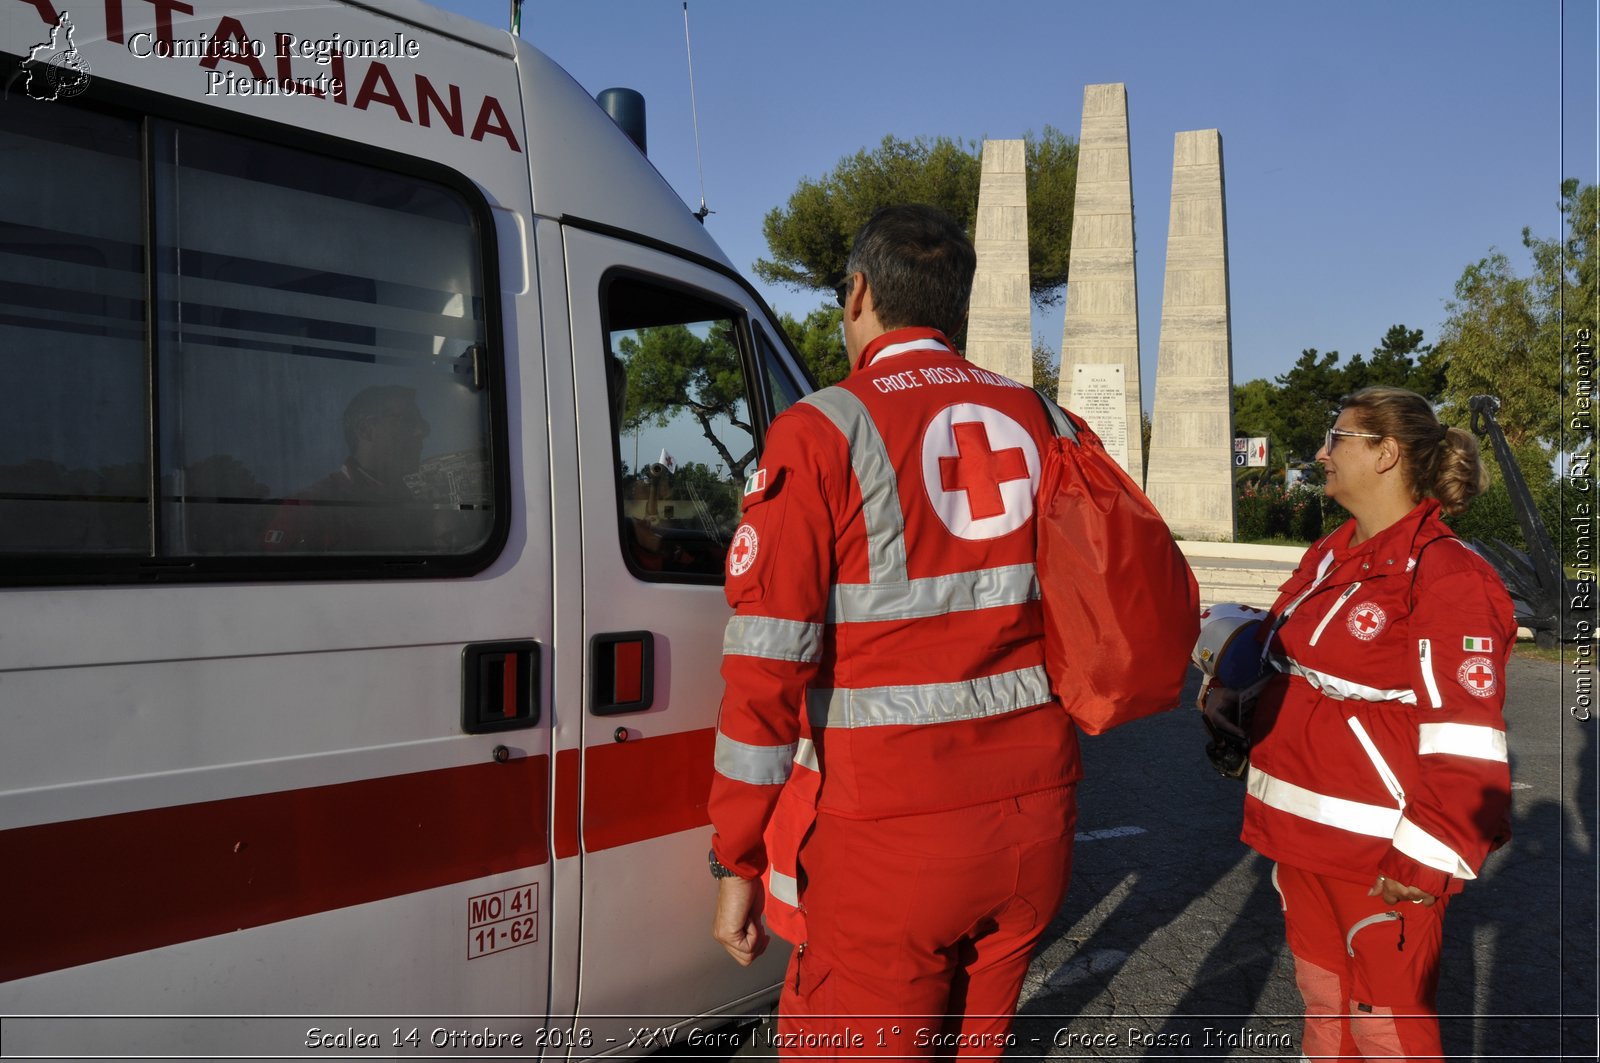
(1367, 621)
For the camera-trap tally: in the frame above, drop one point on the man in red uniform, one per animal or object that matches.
(895, 783)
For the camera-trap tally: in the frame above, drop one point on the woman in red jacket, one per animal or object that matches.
(1378, 777)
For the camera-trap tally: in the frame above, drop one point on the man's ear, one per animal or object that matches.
(855, 303)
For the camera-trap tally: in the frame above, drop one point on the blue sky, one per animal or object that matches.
(1372, 149)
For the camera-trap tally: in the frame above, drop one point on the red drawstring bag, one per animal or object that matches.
(1121, 605)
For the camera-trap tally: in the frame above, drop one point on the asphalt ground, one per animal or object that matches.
(1170, 942)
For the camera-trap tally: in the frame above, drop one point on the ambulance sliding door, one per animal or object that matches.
(256, 468)
(690, 377)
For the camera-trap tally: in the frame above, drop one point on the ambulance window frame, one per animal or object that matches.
(143, 108)
(754, 385)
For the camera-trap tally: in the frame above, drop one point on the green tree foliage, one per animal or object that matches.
(1308, 401)
(1510, 336)
(1399, 360)
(1491, 341)
(810, 236)
(672, 370)
(1046, 368)
(1295, 410)
(1565, 270)
(820, 343)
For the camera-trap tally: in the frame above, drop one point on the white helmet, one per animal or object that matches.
(1227, 649)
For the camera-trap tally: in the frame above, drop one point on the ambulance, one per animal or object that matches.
(373, 425)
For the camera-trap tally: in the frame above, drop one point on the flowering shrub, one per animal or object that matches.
(1271, 511)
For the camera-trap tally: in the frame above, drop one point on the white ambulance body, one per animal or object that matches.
(368, 458)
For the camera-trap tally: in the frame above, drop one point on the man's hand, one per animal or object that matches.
(737, 925)
(1394, 892)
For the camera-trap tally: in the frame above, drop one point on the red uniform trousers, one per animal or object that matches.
(920, 928)
(1368, 970)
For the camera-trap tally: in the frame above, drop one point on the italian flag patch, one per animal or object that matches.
(1472, 645)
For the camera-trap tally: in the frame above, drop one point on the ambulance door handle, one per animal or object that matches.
(621, 672)
(499, 686)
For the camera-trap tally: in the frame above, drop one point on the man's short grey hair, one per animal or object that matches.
(920, 265)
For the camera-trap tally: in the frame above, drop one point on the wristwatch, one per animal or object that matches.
(717, 868)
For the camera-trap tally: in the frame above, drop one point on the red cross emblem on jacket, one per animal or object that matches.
(979, 471)
(1367, 621)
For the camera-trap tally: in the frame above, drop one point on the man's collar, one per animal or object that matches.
(903, 341)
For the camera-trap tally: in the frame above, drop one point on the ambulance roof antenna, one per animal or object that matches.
(695, 113)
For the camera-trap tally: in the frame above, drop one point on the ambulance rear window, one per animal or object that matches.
(226, 357)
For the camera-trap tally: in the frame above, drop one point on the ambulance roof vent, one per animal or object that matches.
(626, 108)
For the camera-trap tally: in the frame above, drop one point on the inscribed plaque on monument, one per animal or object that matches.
(1100, 396)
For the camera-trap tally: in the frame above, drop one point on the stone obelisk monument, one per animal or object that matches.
(999, 321)
(1100, 342)
(1191, 442)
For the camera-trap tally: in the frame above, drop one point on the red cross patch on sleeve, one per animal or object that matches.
(1476, 674)
(742, 552)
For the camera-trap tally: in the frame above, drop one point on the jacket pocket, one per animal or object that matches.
(1390, 780)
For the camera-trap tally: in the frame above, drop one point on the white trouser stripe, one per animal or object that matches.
(783, 887)
(1372, 820)
(1463, 740)
(1424, 848)
(805, 754)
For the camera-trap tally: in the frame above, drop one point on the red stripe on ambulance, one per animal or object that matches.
(90, 889)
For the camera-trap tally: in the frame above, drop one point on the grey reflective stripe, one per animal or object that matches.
(770, 637)
(933, 595)
(969, 699)
(783, 887)
(757, 765)
(880, 500)
(1338, 688)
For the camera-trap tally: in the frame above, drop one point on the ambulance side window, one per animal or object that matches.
(222, 357)
(681, 413)
(318, 392)
(73, 466)
(782, 391)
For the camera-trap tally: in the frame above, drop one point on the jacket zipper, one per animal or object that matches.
(1425, 656)
(1382, 917)
(1345, 597)
(1388, 776)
